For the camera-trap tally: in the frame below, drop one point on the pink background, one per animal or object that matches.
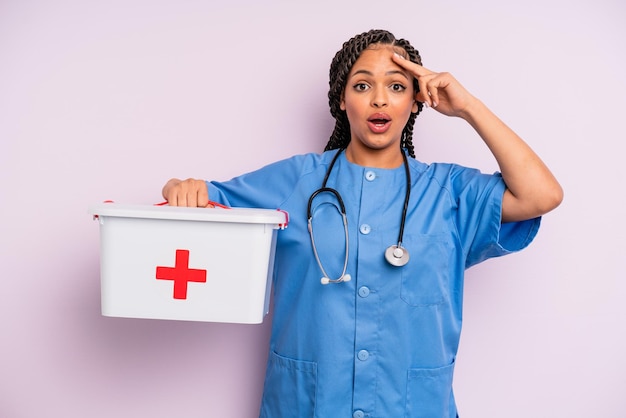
(107, 100)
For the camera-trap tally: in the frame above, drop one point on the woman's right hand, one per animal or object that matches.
(190, 192)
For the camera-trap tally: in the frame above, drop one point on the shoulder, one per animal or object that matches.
(457, 179)
(302, 164)
(448, 172)
(308, 160)
(440, 169)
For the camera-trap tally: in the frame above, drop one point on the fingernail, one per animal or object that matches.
(398, 55)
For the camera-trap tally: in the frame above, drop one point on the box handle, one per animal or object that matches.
(210, 204)
(284, 225)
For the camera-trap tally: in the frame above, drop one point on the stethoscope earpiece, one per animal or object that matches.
(344, 278)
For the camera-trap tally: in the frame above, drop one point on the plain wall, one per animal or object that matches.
(109, 99)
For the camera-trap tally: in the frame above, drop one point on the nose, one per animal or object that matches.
(379, 98)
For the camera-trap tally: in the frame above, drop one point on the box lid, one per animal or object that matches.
(238, 215)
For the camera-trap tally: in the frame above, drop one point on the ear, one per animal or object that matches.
(414, 108)
(342, 104)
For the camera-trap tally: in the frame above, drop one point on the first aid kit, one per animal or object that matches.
(194, 264)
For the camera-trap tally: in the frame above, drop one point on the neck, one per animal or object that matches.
(366, 157)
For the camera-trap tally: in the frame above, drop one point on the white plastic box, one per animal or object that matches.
(193, 264)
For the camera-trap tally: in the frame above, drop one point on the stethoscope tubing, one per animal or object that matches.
(346, 235)
(395, 260)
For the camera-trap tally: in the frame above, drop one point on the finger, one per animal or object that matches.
(172, 200)
(433, 93)
(416, 69)
(422, 95)
(425, 93)
(190, 193)
(203, 196)
(181, 199)
(192, 199)
(168, 190)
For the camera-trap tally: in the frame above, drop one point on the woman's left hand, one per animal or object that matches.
(441, 91)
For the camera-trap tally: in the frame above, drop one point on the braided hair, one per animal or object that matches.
(340, 68)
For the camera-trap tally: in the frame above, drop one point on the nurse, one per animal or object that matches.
(368, 278)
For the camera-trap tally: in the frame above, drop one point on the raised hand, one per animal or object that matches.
(440, 91)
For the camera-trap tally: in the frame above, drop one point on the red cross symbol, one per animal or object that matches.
(181, 274)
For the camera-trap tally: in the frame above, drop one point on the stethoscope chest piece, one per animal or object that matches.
(397, 256)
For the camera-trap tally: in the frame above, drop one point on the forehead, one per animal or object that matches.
(377, 58)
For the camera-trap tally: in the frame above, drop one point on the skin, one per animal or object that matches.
(381, 83)
(377, 86)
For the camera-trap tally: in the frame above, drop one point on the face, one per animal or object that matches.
(378, 100)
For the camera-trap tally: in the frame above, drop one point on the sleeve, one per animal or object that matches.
(478, 199)
(266, 188)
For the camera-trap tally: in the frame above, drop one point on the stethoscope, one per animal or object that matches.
(396, 255)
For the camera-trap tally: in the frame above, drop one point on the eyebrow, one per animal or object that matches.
(392, 72)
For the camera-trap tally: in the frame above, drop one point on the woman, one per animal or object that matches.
(379, 335)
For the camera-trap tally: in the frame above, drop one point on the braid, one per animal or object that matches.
(340, 68)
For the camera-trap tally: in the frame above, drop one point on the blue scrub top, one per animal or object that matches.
(384, 343)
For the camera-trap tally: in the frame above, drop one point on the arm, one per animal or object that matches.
(532, 190)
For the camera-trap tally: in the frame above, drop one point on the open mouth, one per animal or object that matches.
(379, 122)
(379, 119)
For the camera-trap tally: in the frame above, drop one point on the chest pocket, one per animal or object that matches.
(426, 277)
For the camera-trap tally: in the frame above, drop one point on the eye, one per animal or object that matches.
(361, 87)
(397, 87)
